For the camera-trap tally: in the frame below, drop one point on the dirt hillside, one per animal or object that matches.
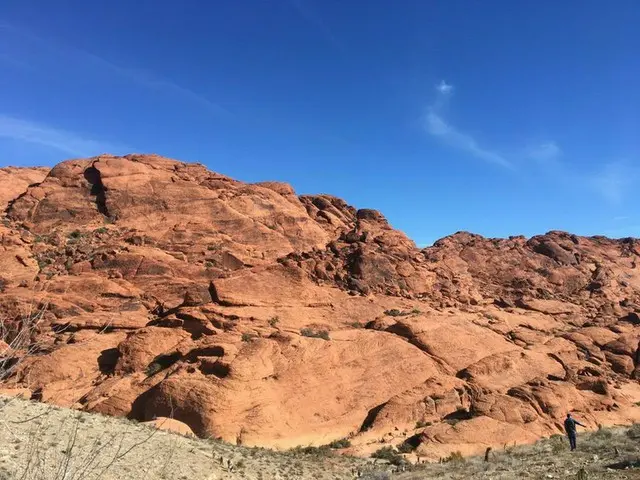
(263, 318)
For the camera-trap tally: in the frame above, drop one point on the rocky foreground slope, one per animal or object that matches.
(261, 317)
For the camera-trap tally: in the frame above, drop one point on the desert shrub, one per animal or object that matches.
(376, 476)
(208, 264)
(405, 447)
(76, 234)
(557, 443)
(342, 443)
(153, 368)
(394, 312)
(602, 433)
(634, 431)
(161, 362)
(248, 337)
(455, 457)
(389, 454)
(101, 230)
(582, 474)
(322, 451)
(309, 332)
(421, 424)
(17, 340)
(273, 321)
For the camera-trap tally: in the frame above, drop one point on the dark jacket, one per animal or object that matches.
(570, 426)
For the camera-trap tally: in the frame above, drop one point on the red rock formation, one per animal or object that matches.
(15, 180)
(161, 289)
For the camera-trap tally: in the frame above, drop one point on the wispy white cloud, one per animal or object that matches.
(545, 152)
(68, 142)
(438, 127)
(613, 181)
(444, 88)
(87, 59)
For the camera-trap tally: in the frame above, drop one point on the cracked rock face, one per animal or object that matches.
(251, 314)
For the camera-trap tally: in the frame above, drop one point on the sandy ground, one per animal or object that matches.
(39, 442)
(42, 442)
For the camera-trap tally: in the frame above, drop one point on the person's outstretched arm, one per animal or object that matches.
(578, 423)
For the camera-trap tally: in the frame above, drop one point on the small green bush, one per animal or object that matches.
(455, 457)
(376, 475)
(274, 321)
(405, 448)
(394, 312)
(634, 431)
(322, 451)
(602, 433)
(153, 368)
(342, 443)
(248, 337)
(75, 234)
(309, 332)
(101, 230)
(389, 454)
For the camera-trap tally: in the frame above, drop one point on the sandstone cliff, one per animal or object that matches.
(265, 318)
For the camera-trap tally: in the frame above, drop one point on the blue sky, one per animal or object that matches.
(496, 117)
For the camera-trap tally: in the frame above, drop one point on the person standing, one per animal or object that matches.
(570, 427)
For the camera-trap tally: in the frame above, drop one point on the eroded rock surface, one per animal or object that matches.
(157, 289)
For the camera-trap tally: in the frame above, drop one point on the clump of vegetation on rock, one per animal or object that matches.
(310, 332)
